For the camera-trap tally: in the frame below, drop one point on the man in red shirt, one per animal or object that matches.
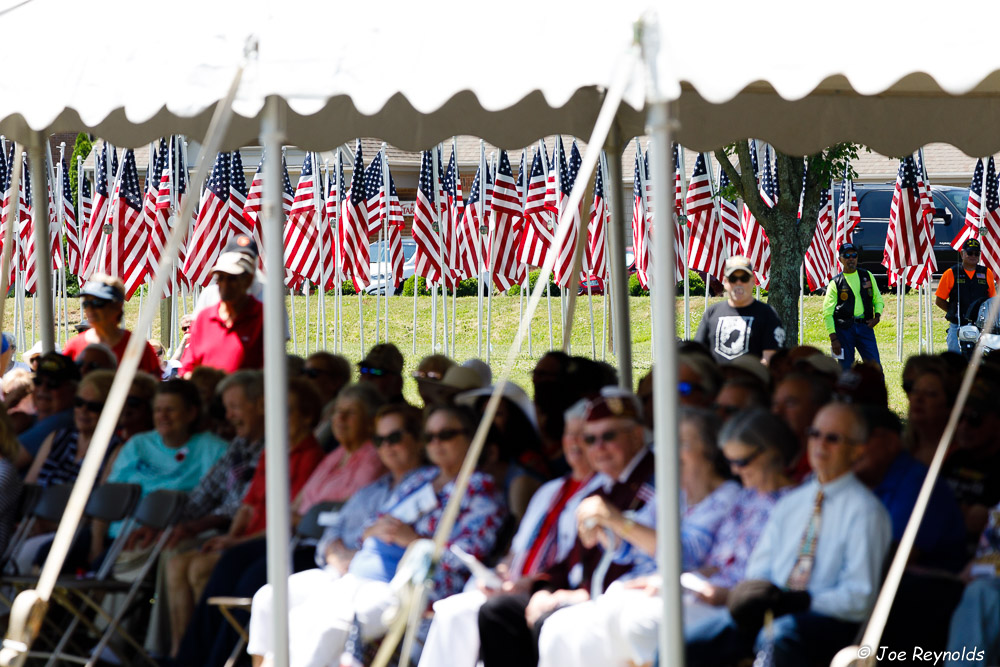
(229, 335)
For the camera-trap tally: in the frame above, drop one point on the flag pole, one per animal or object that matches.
(62, 235)
(686, 231)
(305, 334)
(385, 229)
(380, 245)
(456, 223)
(524, 203)
(481, 282)
(445, 258)
(556, 165)
(548, 294)
(338, 275)
(605, 222)
(491, 244)
(320, 291)
(928, 309)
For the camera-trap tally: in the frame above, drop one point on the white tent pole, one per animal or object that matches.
(671, 639)
(275, 385)
(42, 305)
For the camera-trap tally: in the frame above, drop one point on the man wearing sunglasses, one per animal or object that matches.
(741, 324)
(382, 368)
(851, 309)
(961, 286)
(55, 387)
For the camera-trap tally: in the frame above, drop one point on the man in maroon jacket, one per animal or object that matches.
(616, 447)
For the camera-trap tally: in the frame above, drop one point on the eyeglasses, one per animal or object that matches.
(186, 329)
(87, 366)
(849, 255)
(746, 460)
(739, 277)
(828, 438)
(726, 410)
(374, 372)
(393, 438)
(427, 375)
(608, 436)
(134, 402)
(972, 253)
(95, 304)
(444, 435)
(48, 383)
(90, 406)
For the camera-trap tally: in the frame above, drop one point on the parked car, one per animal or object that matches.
(595, 283)
(381, 271)
(874, 202)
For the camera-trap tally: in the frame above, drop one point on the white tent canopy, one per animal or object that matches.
(414, 74)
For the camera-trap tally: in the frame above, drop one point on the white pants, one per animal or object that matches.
(453, 640)
(620, 627)
(321, 609)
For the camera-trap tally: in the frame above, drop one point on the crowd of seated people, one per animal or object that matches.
(796, 482)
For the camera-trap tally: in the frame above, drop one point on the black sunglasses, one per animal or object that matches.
(746, 460)
(393, 438)
(48, 383)
(849, 255)
(828, 438)
(608, 436)
(95, 304)
(374, 372)
(90, 406)
(739, 278)
(444, 435)
(972, 417)
(313, 372)
(186, 329)
(972, 253)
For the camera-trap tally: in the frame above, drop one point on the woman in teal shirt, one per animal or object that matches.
(175, 455)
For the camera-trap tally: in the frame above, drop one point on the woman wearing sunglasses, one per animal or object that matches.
(319, 627)
(102, 300)
(397, 438)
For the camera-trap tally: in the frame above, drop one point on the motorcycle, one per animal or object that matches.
(970, 334)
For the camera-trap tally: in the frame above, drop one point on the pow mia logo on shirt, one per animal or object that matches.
(732, 336)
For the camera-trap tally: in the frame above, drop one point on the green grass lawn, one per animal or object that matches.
(506, 314)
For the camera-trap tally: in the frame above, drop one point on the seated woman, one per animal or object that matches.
(102, 299)
(319, 625)
(622, 625)
(173, 456)
(397, 437)
(188, 572)
(546, 535)
(62, 452)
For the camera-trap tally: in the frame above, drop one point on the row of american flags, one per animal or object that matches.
(505, 226)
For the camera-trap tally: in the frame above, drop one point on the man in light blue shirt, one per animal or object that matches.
(822, 612)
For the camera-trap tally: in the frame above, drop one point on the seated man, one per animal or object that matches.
(797, 399)
(56, 379)
(613, 435)
(818, 563)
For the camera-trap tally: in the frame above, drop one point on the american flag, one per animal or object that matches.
(130, 236)
(566, 253)
(428, 255)
(473, 228)
(679, 217)
(991, 221)
(729, 214)
(505, 209)
(213, 215)
(536, 237)
(156, 235)
(69, 220)
(354, 255)
(819, 266)
(86, 206)
(99, 212)
(251, 209)
(706, 251)
(973, 213)
(753, 239)
(7, 182)
(26, 232)
(237, 200)
(906, 241)
(287, 191)
(380, 213)
(597, 243)
(848, 213)
(333, 273)
(640, 218)
(301, 237)
(394, 231)
(451, 219)
(160, 230)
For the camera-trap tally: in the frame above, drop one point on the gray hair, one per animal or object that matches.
(105, 350)
(756, 427)
(251, 382)
(365, 394)
(576, 411)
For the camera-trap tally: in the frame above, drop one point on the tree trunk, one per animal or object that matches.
(786, 260)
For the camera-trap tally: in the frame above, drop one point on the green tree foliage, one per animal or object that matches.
(789, 238)
(82, 147)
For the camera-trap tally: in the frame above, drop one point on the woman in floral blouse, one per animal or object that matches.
(318, 628)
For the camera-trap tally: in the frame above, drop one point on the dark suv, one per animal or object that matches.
(875, 200)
